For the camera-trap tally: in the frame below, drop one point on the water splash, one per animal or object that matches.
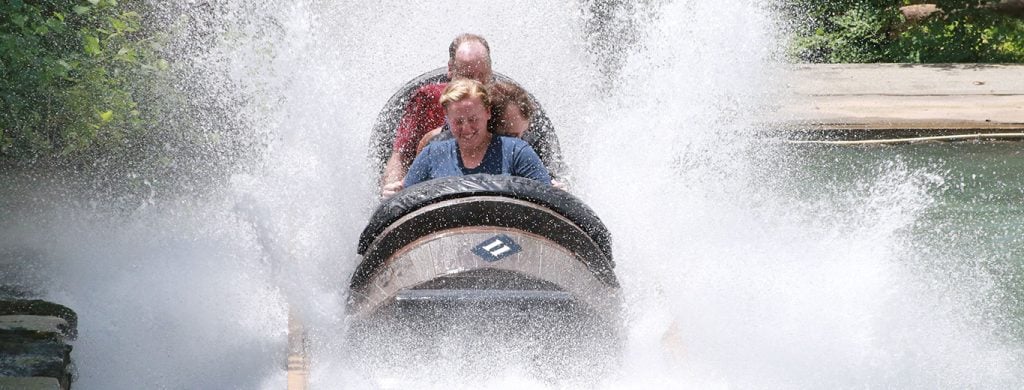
(735, 274)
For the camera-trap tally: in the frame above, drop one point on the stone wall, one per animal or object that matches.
(34, 344)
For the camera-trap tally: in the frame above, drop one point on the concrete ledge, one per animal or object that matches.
(39, 308)
(33, 383)
(37, 324)
(859, 101)
(34, 347)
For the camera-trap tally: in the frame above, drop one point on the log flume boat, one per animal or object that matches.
(505, 254)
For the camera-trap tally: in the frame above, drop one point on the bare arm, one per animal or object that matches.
(394, 170)
(394, 173)
(422, 112)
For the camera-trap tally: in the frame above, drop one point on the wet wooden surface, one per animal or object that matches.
(298, 358)
(882, 100)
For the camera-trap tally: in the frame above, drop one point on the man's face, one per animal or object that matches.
(471, 62)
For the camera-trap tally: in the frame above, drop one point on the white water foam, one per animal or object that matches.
(731, 280)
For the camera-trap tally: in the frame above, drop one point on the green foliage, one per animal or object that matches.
(67, 68)
(876, 31)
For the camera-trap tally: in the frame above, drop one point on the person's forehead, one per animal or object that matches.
(468, 104)
(471, 52)
(471, 46)
(513, 109)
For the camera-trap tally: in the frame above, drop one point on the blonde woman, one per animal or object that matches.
(474, 149)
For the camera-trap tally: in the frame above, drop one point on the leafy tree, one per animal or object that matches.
(878, 31)
(122, 95)
(67, 68)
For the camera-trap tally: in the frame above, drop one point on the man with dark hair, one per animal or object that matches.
(469, 56)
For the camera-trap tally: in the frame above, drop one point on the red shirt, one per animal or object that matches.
(423, 114)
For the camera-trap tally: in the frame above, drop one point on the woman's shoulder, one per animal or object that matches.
(517, 148)
(440, 146)
(513, 144)
(512, 141)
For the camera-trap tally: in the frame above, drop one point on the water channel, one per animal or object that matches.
(746, 262)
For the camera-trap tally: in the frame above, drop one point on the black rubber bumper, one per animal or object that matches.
(594, 248)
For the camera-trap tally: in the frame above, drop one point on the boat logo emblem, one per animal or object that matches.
(497, 248)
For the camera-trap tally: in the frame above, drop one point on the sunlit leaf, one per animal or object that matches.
(91, 45)
(118, 24)
(127, 55)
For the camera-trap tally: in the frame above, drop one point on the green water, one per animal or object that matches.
(965, 228)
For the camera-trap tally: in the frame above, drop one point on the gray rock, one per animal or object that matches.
(30, 323)
(40, 308)
(33, 383)
(34, 338)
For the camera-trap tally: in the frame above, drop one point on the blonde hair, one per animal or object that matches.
(461, 89)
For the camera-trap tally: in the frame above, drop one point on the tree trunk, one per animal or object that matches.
(1013, 8)
(918, 12)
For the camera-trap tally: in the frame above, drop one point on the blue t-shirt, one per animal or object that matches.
(504, 156)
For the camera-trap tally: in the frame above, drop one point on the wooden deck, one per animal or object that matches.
(868, 101)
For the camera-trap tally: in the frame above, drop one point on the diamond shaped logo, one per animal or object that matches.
(497, 248)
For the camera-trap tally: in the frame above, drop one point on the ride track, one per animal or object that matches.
(845, 104)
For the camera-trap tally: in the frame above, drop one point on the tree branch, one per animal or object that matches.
(1013, 8)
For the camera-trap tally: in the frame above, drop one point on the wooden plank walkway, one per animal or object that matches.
(868, 101)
